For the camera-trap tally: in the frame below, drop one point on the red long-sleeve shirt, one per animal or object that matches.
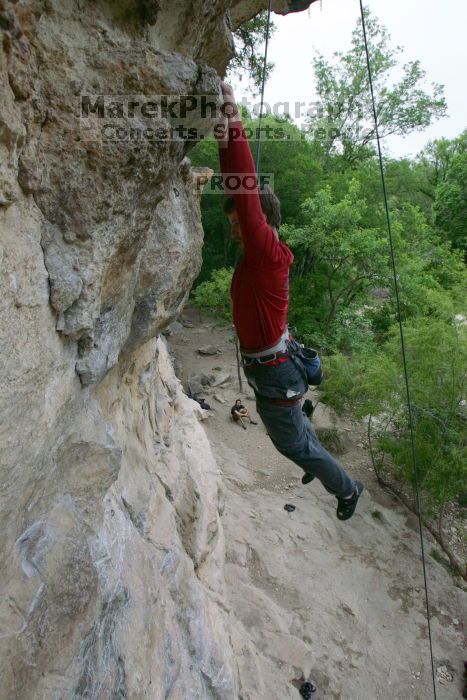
(260, 285)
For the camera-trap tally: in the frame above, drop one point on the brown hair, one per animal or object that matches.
(269, 204)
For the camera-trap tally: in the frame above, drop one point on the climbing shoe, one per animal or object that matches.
(307, 477)
(307, 690)
(346, 506)
(308, 408)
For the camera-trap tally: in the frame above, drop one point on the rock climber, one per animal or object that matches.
(260, 299)
(239, 412)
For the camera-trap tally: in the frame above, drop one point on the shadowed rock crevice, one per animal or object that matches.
(103, 670)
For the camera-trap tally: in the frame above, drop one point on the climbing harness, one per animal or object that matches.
(401, 333)
(305, 359)
(267, 355)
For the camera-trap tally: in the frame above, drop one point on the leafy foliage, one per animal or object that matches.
(214, 294)
(249, 41)
(436, 157)
(451, 202)
(340, 257)
(346, 126)
(373, 383)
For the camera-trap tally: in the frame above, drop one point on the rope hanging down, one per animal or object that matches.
(398, 306)
(263, 82)
(401, 333)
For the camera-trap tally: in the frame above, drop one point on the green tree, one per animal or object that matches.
(338, 259)
(437, 155)
(219, 250)
(406, 180)
(346, 126)
(342, 284)
(431, 276)
(450, 206)
(213, 295)
(249, 40)
(290, 157)
(373, 384)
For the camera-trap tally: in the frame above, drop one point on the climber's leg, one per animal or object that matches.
(295, 438)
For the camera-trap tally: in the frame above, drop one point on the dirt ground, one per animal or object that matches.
(313, 598)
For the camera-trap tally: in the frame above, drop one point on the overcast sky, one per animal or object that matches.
(431, 31)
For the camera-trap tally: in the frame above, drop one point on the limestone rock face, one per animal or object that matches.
(111, 553)
(114, 585)
(105, 206)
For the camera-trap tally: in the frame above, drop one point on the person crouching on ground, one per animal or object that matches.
(260, 299)
(239, 412)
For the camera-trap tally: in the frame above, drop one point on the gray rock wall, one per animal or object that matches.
(113, 582)
(111, 555)
(102, 204)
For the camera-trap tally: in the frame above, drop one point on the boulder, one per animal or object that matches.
(208, 350)
(222, 379)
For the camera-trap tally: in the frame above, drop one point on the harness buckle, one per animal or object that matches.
(248, 361)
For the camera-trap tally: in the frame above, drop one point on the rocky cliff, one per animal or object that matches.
(111, 555)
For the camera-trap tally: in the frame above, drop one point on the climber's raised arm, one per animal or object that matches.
(259, 239)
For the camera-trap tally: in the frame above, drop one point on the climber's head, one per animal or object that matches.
(269, 204)
(238, 402)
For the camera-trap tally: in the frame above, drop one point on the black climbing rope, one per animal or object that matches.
(263, 82)
(401, 333)
(396, 289)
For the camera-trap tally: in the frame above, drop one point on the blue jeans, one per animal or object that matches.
(290, 430)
